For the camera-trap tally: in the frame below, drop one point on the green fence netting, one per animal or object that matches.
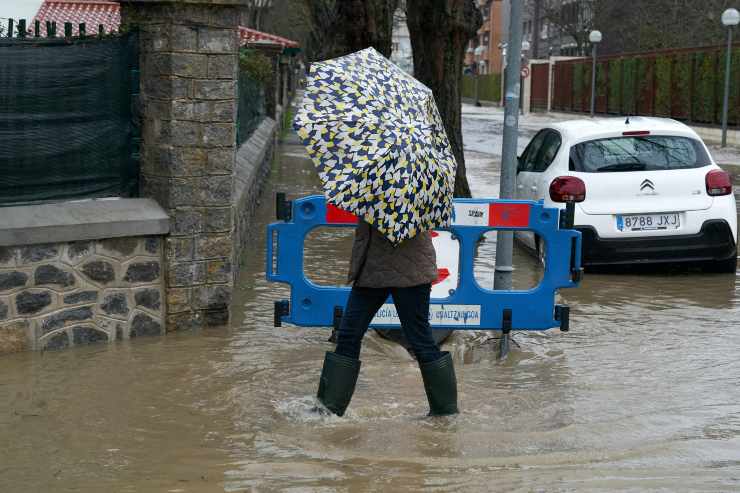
(66, 125)
(251, 109)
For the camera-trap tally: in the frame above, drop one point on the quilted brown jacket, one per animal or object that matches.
(376, 263)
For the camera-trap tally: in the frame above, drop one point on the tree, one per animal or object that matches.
(340, 27)
(572, 19)
(536, 6)
(644, 25)
(440, 31)
(254, 12)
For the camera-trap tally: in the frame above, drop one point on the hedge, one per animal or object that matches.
(489, 87)
(686, 86)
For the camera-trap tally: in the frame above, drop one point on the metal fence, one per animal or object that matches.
(251, 110)
(682, 84)
(67, 126)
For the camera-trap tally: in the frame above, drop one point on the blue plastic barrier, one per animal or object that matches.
(468, 306)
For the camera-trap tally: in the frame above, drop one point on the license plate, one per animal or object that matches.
(648, 222)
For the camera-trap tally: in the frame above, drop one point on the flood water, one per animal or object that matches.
(642, 394)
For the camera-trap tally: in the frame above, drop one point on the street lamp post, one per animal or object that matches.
(730, 19)
(524, 63)
(502, 47)
(595, 38)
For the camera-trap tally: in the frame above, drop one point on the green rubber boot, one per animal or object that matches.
(337, 383)
(440, 385)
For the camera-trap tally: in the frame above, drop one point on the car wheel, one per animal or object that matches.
(727, 266)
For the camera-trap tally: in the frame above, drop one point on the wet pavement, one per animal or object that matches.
(643, 394)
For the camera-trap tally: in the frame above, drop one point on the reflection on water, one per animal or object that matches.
(326, 254)
(641, 395)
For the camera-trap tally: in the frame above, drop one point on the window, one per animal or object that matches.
(548, 152)
(643, 153)
(533, 149)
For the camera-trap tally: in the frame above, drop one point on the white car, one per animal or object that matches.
(653, 193)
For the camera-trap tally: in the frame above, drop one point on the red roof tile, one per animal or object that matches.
(96, 12)
(248, 35)
(91, 12)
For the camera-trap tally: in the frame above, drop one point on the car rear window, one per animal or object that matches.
(638, 153)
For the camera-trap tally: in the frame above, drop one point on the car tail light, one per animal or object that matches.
(567, 189)
(718, 183)
(634, 133)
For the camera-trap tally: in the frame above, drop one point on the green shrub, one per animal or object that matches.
(578, 86)
(645, 75)
(602, 84)
(705, 82)
(256, 65)
(468, 86)
(681, 87)
(586, 91)
(614, 83)
(663, 86)
(489, 87)
(629, 98)
(733, 115)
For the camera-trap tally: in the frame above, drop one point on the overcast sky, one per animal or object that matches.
(19, 9)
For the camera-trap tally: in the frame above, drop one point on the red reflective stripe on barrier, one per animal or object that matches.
(508, 215)
(442, 274)
(336, 215)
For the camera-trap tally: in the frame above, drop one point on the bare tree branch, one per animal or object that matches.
(572, 19)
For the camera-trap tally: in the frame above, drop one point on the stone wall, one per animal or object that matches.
(63, 294)
(253, 165)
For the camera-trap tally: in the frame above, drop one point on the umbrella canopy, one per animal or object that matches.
(378, 143)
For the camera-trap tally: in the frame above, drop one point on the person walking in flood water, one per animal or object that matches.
(405, 272)
(381, 152)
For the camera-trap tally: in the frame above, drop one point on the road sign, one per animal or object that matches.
(525, 72)
(458, 302)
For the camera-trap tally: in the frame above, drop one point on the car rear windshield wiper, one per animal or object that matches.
(623, 167)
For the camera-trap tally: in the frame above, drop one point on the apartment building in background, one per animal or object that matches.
(484, 52)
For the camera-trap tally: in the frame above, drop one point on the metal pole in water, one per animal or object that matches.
(726, 102)
(595, 38)
(505, 239)
(730, 19)
(593, 81)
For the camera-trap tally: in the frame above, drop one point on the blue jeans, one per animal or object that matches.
(412, 305)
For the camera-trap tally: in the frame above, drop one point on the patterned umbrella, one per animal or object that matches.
(378, 143)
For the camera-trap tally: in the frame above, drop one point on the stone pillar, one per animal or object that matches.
(189, 60)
